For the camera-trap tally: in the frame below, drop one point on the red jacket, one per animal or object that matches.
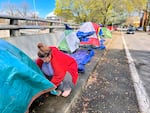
(61, 63)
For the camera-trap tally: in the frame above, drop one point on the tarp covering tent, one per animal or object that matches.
(69, 42)
(93, 39)
(21, 81)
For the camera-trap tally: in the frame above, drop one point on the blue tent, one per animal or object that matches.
(21, 81)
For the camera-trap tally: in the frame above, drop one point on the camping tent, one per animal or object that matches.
(106, 33)
(69, 42)
(93, 39)
(21, 81)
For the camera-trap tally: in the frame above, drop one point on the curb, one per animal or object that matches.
(107, 43)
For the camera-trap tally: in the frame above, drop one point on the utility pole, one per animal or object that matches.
(147, 16)
(35, 11)
(148, 11)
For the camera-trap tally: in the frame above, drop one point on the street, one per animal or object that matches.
(139, 49)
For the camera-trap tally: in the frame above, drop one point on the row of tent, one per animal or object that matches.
(21, 80)
(89, 34)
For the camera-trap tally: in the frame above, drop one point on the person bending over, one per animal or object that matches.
(58, 67)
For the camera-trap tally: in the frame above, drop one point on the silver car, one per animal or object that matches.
(130, 31)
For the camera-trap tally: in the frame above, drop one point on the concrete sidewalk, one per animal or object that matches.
(55, 104)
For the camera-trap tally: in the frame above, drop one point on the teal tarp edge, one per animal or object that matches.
(21, 81)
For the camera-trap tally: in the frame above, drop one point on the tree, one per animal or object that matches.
(21, 9)
(100, 11)
(86, 10)
(63, 9)
(9, 8)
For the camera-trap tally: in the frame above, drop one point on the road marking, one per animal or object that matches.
(142, 97)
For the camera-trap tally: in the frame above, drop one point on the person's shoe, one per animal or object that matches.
(66, 93)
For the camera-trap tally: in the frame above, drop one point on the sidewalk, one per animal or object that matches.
(110, 88)
(54, 104)
(105, 87)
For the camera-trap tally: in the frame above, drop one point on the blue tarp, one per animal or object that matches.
(100, 32)
(82, 56)
(102, 46)
(21, 81)
(81, 35)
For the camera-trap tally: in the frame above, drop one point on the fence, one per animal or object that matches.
(15, 24)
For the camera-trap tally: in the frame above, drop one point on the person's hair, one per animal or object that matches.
(44, 51)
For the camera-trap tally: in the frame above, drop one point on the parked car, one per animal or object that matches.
(130, 31)
(121, 29)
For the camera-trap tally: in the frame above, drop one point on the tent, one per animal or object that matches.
(69, 42)
(21, 81)
(87, 28)
(106, 33)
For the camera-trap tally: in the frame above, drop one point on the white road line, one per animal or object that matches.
(142, 97)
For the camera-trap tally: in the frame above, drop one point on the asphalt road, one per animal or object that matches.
(139, 48)
(110, 88)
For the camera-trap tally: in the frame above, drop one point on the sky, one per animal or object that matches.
(43, 7)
